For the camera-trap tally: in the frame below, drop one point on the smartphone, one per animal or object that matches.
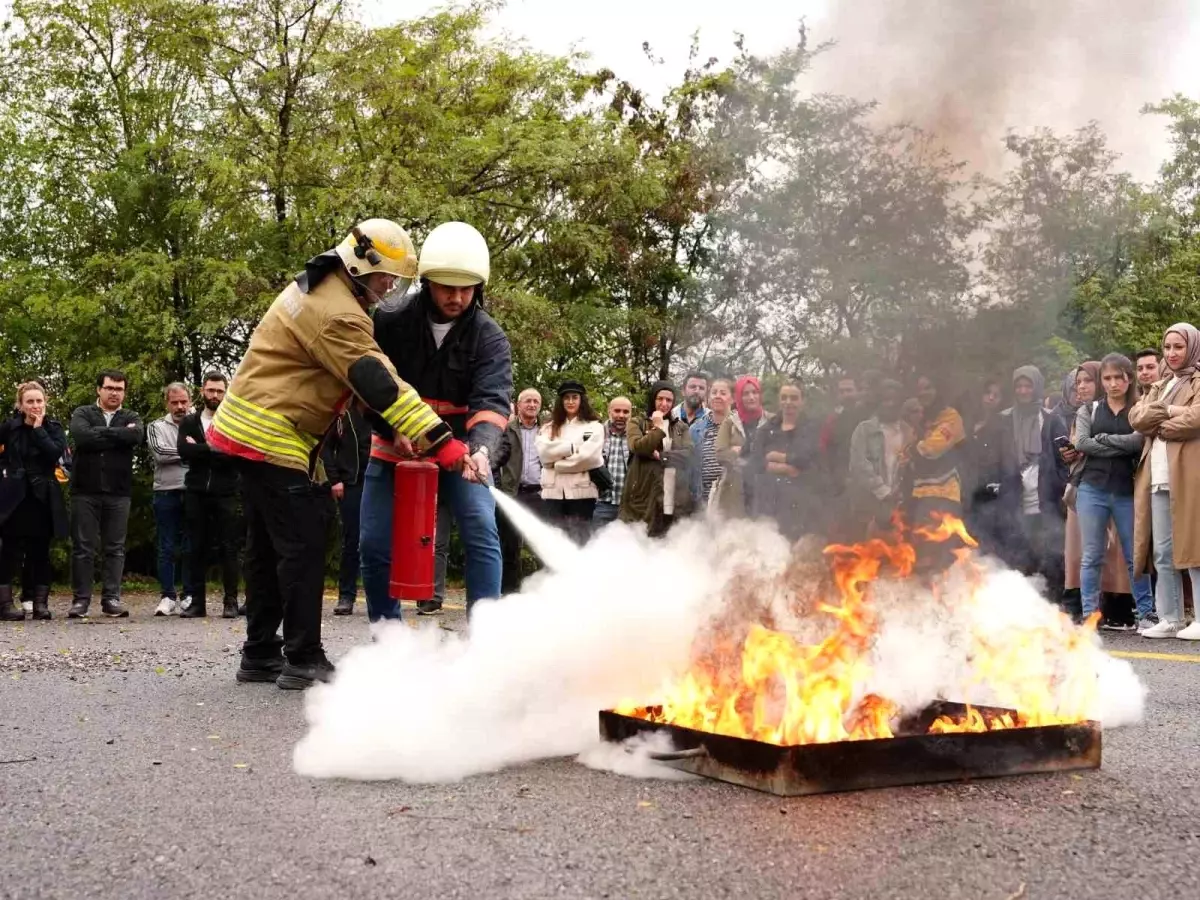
(1064, 443)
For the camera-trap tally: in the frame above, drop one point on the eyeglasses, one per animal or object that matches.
(119, 390)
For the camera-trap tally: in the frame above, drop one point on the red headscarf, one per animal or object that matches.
(738, 388)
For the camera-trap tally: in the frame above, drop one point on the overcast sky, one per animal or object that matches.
(1150, 49)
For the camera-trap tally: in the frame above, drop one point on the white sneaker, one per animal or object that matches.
(1191, 633)
(1163, 629)
(27, 605)
(167, 606)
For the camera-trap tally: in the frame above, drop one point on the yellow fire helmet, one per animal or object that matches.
(455, 254)
(379, 245)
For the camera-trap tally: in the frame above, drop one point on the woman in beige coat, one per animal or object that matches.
(1167, 485)
(570, 445)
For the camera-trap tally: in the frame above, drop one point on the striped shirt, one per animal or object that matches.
(710, 466)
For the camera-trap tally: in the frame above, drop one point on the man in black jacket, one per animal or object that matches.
(210, 517)
(345, 454)
(456, 356)
(105, 436)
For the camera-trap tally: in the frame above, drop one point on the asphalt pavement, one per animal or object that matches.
(133, 766)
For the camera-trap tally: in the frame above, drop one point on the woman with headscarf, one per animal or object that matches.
(1167, 485)
(735, 441)
(657, 490)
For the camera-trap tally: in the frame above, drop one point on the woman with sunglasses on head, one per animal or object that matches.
(1167, 487)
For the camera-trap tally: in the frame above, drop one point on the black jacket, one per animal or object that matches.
(104, 453)
(28, 460)
(1053, 473)
(468, 380)
(347, 449)
(208, 472)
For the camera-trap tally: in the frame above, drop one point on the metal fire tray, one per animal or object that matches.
(912, 757)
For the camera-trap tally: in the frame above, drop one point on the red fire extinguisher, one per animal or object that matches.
(414, 522)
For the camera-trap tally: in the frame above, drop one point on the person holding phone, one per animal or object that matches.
(1109, 448)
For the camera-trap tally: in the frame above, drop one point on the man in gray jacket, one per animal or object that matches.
(163, 438)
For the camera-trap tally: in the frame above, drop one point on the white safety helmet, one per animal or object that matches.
(454, 254)
(379, 245)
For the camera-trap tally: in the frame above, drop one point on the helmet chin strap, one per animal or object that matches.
(364, 294)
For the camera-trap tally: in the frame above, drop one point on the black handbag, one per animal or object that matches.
(602, 479)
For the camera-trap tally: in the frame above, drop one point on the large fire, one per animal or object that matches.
(775, 689)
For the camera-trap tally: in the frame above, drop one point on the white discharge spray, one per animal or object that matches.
(611, 622)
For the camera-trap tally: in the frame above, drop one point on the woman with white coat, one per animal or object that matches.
(570, 446)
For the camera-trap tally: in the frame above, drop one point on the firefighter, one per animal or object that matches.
(311, 355)
(443, 343)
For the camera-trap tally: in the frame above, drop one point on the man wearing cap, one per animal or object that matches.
(310, 356)
(443, 342)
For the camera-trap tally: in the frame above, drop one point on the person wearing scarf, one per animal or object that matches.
(735, 441)
(657, 490)
(1167, 483)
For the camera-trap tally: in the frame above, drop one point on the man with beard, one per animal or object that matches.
(163, 438)
(616, 459)
(209, 506)
(695, 390)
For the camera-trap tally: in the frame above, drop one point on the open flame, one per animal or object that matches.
(775, 689)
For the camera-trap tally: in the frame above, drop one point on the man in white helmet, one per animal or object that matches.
(443, 342)
(312, 354)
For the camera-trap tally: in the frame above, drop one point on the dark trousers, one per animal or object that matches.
(168, 525)
(349, 508)
(28, 556)
(573, 516)
(511, 542)
(211, 525)
(98, 524)
(287, 518)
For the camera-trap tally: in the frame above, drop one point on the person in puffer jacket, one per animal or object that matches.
(570, 446)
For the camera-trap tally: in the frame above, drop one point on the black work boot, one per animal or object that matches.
(79, 608)
(8, 612)
(41, 601)
(345, 607)
(429, 607)
(259, 669)
(297, 677)
(229, 609)
(114, 609)
(191, 608)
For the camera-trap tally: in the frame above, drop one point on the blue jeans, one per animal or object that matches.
(1095, 507)
(168, 524)
(605, 513)
(470, 505)
(1170, 579)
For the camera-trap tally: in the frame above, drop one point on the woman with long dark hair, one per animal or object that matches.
(570, 446)
(1110, 449)
(1167, 487)
(32, 512)
(784, 466)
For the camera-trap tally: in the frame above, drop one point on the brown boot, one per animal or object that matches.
(8, 612)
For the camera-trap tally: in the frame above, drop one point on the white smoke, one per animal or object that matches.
(612, 622)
